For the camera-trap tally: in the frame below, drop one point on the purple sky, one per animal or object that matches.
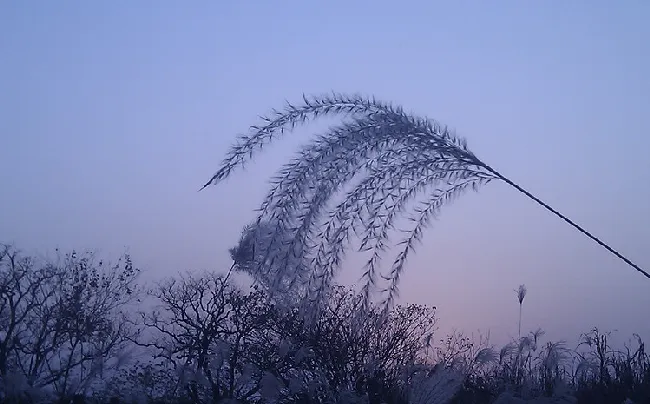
(113, 114)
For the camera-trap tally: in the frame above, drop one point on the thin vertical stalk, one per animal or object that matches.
(520, 320)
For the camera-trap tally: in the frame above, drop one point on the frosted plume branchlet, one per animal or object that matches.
(391, 164)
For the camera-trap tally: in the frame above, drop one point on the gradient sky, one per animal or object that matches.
(113, 114)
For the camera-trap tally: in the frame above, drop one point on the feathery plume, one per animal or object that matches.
(395, 165)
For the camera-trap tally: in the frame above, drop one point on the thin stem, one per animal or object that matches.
(520, 320)
(569, 221)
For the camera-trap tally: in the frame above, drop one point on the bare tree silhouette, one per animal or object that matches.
(394, 163)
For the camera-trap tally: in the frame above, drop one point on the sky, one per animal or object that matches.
(113, 114)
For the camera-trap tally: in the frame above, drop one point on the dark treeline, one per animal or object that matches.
(76, 329)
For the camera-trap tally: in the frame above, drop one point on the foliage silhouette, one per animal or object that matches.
(62, 322)
(205, 340)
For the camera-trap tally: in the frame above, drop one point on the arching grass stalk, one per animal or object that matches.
(390, 159)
